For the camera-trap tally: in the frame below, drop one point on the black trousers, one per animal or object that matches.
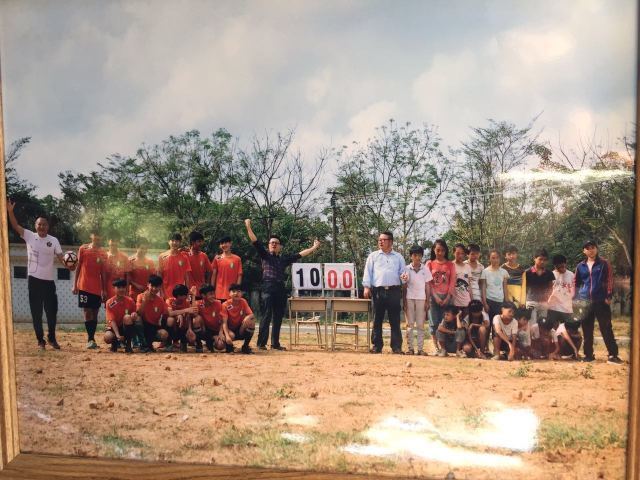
(386, 301)
(274, 301)
(601, 311)
(42, 294)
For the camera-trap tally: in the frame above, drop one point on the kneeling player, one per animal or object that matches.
(178, 323)
(240, 319)
(211, 321)
(451, 333)
(477, 326)
(151, 308)
(121, 314)
(568, 340)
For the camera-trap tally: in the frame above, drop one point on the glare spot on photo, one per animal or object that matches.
(294, 416)
(295, 437)
(586, 175)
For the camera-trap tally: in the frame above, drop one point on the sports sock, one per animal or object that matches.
(248, 335)
(91, 329)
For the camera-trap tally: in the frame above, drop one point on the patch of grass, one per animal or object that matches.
(355, 403)
(522, 370)
(474, 418)
(285, 392)
(587, 372)
(552, 435)
(234, 437)
(214, 398)
(188, 390)
(56, 389)
(118, 446)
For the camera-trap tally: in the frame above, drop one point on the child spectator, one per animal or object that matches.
(515, 271)
(477, 328)
(443, 272)
(493, 285)
(417, 292)
(476, 269)
(568, 340)
(537, 285)
(451, 332)
(505, 333)
(561, 299)
(462, 292)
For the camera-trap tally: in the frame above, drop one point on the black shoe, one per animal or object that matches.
(41, 344)
(589, 358)
(246, 349)
(53, 343)
(228, 348)
(398, 352)
(128, 349)
(375, 350)
(615, 360)
(114, 346)
(278, 347)
(209, 344)
(183, 347)
(262, 347)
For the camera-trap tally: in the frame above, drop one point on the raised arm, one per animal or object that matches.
(252, 236)
(310, 250)
(12, 218)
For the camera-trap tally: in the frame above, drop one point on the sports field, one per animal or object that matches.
(342, 411)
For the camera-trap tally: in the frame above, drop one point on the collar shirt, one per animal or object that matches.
(383, 269)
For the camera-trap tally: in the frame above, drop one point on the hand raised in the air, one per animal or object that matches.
(10, 205)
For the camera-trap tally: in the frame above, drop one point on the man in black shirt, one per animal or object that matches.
(274, 295)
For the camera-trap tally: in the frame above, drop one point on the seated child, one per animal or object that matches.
(505, 329)
(477, 329)
(451, 332)
(545, 346)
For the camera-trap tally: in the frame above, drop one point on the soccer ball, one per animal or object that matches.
(70, 258)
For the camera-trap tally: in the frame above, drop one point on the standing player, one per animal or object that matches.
(178, 323)
(117, 265)
(274, 294)
(120, 317)
(90, 283)
(151, 308)
(140, 267)
(199, 262)
(174, 266)
(210, 322)
(226, 269)
(42, 248)
(515, 271)
(240, 319)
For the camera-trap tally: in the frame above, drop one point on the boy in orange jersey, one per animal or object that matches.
(121, 314)
(90, 283)
(174, 266)
(151, 308)
(178, 323)
(227, 269)
(140, 267)
(200, 264)
(117, 265)
(211, 321)
(240, 319)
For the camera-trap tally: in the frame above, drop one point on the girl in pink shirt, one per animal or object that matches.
(443, 272)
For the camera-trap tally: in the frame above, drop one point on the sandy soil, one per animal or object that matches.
(342, 411)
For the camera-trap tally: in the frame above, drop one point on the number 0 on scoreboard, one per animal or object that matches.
(307, 276)
(339, 276)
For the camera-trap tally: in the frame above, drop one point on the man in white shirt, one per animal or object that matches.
(42, 248)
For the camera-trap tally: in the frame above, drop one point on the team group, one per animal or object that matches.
(526, 312)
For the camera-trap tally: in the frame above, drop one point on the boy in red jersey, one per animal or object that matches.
(174, 266)
(151, 308)
(226, 268)
(140, 267)
(90, 283)
(211, 321)
(240, 319)
(200, 264)
(178, 323)
(117, 265)
(121, 314)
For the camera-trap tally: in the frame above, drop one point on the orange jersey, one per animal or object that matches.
(175, 304)
(236, 312)
(91, 263)
(228, 271)
(153, 310)
(117, 266)
(139, 272)
(116, 308)
(173, 270)
(212, 314)
(200, 265)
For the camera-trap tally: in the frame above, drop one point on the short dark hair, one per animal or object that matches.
(511, 249)
(510, 305)
(119, 282)
(473, 247)
(388, 234)
(155, 280)
(114, 235)
(417, 249)
(541, 252)
(95, 229)
(206, 289)
(462, 246)
(180, 290)
(475, 306)
(559, 259)
(195, 236)
(589, 243)
(451, 308)
(44, 216)
(276, 237)
(225, 239)
(443, 244)
(523, 313)
(175, 236)
(235, 287)
(142, 242)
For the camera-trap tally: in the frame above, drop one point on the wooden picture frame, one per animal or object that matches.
(16, 465)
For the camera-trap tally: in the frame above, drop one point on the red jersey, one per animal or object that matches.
(116, 266)
(116, 308)
(200, 265)
(229, 270)
(236, 312)
(175, 304)
(153, 310)
(212, 314)
(91, 263)
(139, 272)
(173, 270)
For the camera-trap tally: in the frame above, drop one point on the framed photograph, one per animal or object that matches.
(319, 240)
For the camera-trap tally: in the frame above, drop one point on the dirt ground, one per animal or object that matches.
(342, 411)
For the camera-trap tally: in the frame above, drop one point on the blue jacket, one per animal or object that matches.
(595, 285)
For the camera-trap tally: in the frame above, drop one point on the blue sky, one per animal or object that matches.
(89, 78)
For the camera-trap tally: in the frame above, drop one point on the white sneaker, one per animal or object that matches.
(441, 353)
(91, 345)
